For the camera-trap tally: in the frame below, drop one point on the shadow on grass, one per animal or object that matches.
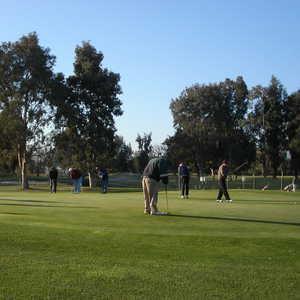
(124, 190)
(12, 213)
(37, 201)
(266, 201)
(45, 206)
(234, 219)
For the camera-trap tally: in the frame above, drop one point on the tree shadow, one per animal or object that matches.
(37, 201)
(265, 201)
(12, 213)
(45, 206)
(235, 219)
(124, 190)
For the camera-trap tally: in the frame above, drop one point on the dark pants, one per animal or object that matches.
(223, 189)
(104, 184)
(53, 184)
(184, 181)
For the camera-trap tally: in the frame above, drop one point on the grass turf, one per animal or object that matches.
(101, 246)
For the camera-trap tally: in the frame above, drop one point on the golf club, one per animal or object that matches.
(239, 167)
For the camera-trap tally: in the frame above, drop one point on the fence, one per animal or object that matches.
(132, 180)
(207, 182)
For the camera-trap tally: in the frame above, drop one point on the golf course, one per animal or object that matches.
(101, 246)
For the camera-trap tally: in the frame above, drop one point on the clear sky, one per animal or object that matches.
(160, 47)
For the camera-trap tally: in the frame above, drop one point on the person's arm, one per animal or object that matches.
(222, 171)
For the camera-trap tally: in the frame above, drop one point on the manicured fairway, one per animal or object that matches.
(96, 246)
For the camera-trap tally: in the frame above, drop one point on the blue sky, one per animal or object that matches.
(161, 47)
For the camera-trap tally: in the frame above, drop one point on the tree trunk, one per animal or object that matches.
(23, 168)
(275, 171)
(281, 179)
(25, 182)
(92, 180)
(197, 168)
(38, 169)
(264, 166)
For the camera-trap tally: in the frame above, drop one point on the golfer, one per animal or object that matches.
(155, 171)
(103, 175)
(53, 179)
(184, 179)
(75, 174)
(222, 175)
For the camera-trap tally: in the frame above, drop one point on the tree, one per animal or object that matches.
(256, 122)
(179, 149)
(25, 71)
(270, 123)
(210, 118)
(8, 153)
(144, 150)
(86, 116)
(123, 158)
(274, 122)
(292, 118)
(158, 151)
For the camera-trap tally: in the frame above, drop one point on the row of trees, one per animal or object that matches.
(70, 119)
(47, 118)
(260, 126)
(258, 129)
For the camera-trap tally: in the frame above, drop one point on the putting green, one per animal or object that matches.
(102, 246)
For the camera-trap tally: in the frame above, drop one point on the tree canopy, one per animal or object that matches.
(80, 109)
(49, 119)
(210, 119)
(25, 71)
(87, 114)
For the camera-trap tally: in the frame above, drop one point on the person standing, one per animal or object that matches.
(53, 173)
(155, 171)
(75, 174)
(103, 175)
(184, 179)
(222, 176)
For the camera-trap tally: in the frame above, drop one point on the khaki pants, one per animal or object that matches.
(150, 188)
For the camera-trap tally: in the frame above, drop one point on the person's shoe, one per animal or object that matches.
(229, 200)
(158, 213)
(219, 200)
(182, 197)
(187, 196)
(146, 212)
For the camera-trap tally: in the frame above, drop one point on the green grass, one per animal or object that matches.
(101, 246)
